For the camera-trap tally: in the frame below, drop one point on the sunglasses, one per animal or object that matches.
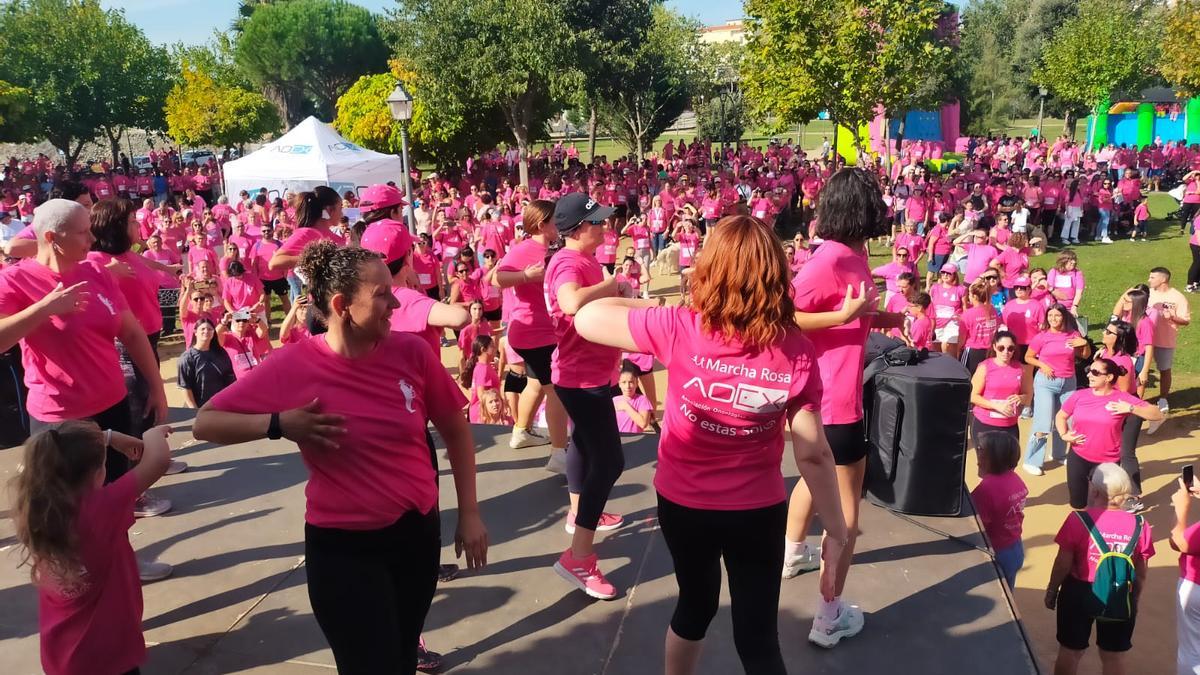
(991, 279)
(1110, 332)
(1020, 288)
(462, 271)
(901, 255)
(1097, 373)
(1005, 348)
(197, 298)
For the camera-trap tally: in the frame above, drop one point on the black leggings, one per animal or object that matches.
(751, 543)
(371, 589)
(1193, 276)
(595, 460)
(1129, 461)
(1187, 213)
(116, 418)
(1079, 472)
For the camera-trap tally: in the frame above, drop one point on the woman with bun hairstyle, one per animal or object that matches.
(1091, 421)
(356, 400)
(721, 494)
(318, 211)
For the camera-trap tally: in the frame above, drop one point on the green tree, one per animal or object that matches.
(15, 123)
(86, 69)
(312, 49)
(609, 36)
(215, 58)
(1180, 59)
(985, 64)
(718, 100)
(517, 56)
(200, 111)
(847, 57)
(655, 86)
(1108, 48)
(1039, 20)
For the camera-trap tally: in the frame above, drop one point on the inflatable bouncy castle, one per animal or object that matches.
(1139, 123)
(938, 129)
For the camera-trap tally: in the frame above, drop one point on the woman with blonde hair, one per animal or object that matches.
(721, 494)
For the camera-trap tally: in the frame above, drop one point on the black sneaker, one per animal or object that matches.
(1134, 505)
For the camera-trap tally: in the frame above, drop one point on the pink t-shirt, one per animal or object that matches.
(725, 409)
(529, 325)
(920, 331)
(820, 286)
(306, 235)
(625, 423)
(260, 259)
(1189, 563)
(1023, 319)
(99, 620)
(412, 316)
(979, 256)
(999, 382)
(246, 353)
(689, 244)
(577, 363)
(606, 254)
(978, 325)
(947, 302)
(66, 350)
(891, 271)
(1052, 349)
(466, 336)
(381, 470)
(1145, 331)
(1101, 428)
(1116, 529)
(241, 292)
(140, 290)
(1000, 502)
(1065, 286)
(1013, 263)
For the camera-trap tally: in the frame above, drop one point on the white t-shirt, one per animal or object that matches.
(1019, 219)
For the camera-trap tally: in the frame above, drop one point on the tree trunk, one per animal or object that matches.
(592, 132)
(114, 143)
(836, 130)
(1069, 121)
(900, 132)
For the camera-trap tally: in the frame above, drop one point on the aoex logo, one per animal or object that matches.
(293, 149)
(344, 145)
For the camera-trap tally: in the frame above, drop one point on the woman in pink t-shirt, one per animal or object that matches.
(1066, 280)
(75, 529)
(1185, 539)
(1000, 389)
(531, 331)
(1052, 352)
(317, 212)
(582, 372)
(999, 499)
(357, 400)
(978, 323)
(67, 312)
(1069, 590)
(1096, 416)
(1119, 345)
(720, 489)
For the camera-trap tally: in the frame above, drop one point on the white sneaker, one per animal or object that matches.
(807, 560)
(523, 439)
(827, 634)
(1033, 470)
(1106, 240)
(148, 506)
(1163, 406)
(175, 467)
(557, 462)
(153, 570)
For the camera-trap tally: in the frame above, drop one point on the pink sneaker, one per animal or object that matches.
(585, 575)
(608, 522)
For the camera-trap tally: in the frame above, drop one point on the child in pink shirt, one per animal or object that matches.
(1141, 215)
(89, 594)
(479, 373)
(478, 326)
(920, 326)
(1000, 500)
(634, 413)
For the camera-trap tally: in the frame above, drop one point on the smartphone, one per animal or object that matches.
(1188, 476)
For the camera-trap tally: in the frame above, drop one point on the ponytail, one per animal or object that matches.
(59, 466)
(482, 344)
(313, 206)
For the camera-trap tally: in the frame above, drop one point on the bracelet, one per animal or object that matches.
(274, 428)
(108, 438)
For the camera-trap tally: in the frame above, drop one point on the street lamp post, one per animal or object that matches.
(1041, 109)
(401, 104)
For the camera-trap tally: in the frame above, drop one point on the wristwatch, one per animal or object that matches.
(274, 429)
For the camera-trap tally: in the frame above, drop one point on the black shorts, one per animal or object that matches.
(277, 286)
(537, 362)
(514, 383)
(848, 442)
(435, 292)
(630, 365)
(493, 314)
(1075, 623)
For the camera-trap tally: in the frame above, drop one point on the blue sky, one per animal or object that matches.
(193, 21)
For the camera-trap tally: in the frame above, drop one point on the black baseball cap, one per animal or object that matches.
(577, 208)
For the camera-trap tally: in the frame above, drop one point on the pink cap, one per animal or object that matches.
(380, 197)
(950, 267)
(1021, 281)
(389, 238)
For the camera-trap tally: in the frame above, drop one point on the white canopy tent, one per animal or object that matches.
(311, 154)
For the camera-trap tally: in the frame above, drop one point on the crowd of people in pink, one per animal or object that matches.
(548, 308)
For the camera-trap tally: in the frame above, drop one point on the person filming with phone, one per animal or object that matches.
(1185, 539)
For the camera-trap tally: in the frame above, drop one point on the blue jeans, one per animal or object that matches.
(1102, 226)
(1010, 561)
(1049, 393)
(657, 241)
(294, 287)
